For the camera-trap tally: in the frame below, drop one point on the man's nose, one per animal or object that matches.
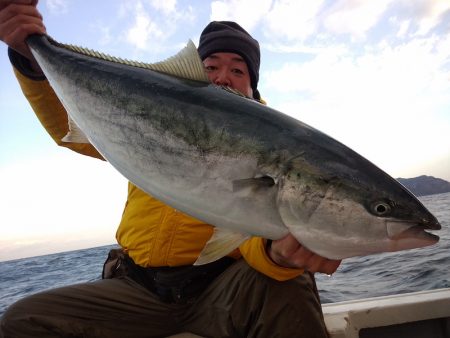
(222, 79)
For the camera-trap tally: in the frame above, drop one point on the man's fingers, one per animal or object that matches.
(5, 3)
(323, 265)
(286, 246)
(12, 10)
(306, 259)
(331, 266)
(14, 34)
(18, 36)
(288, 252)
(8, 11)
(289, 245)
(302, 257)
(20, 2)
(17, 22)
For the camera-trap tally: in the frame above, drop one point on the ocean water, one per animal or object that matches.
(370, 276)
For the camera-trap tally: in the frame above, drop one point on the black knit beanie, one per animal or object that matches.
(229, 37)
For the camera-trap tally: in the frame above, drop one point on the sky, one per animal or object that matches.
(374, 75)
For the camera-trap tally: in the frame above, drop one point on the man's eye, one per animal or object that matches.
(210, 68)
(238, 71)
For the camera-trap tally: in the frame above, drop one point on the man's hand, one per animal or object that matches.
(289, 253)
(18, 20)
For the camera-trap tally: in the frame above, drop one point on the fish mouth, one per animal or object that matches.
(432, 224)
(397, 230)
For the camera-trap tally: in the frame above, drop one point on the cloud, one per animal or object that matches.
(420, 18)
(153, 23)
(247, 13)
(57, 6)
(403, 27)
(286, 19)
(292, 20)
(431, 14)
(386, 91)
(168, 7)
(354, 17)
(143, 30)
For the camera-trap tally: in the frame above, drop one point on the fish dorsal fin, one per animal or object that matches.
(185, 64)
(75, 134)
(221, 243)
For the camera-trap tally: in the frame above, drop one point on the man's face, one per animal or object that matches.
(229, 69)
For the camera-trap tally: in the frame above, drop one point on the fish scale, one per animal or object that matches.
(243, 167)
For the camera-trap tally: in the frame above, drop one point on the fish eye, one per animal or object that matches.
(381, 208)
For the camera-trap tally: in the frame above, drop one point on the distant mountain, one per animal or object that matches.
(425, 185)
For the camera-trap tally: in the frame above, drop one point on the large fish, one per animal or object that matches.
(230, 161)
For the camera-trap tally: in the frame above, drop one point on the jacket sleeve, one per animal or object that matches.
(46, 104)
(254, 252)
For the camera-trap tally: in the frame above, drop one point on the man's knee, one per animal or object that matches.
(265, 307)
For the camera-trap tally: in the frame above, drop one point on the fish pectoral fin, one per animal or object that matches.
(75, 134)
(186, 64)
(253, 183)
(221, 243)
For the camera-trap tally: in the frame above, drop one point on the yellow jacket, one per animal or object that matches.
(153, 234)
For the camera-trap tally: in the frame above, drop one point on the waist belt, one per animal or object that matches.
(181, 284)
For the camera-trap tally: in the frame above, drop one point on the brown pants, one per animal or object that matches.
(239, 303)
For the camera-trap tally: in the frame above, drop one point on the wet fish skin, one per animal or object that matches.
(233, 162)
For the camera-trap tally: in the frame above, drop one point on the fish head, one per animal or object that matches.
(339, 216)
